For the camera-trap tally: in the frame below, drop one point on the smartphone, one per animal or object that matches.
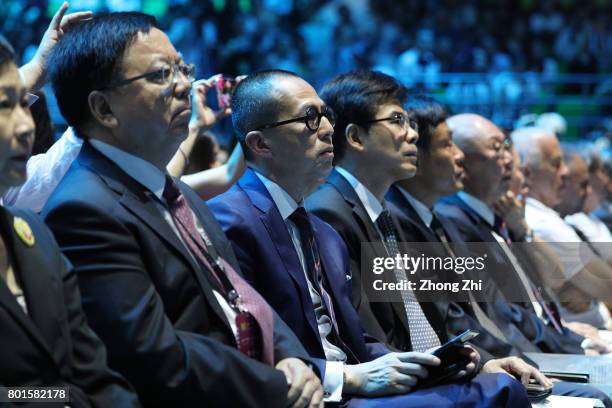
(452, 360)
(537, 392)
(454, 342)
(224, 87)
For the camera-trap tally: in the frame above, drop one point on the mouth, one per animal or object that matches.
(459, 174)
(327, 152)
(181, 114)
(19, 158)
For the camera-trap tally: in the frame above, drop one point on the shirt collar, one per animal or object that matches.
(538, 205)
(421, 209)
(284, 202)
(139, 169)
(373, 207)
(478, 206)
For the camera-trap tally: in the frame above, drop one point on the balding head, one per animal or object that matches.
(543, 163)
(471, 131)
(487, 169)
(528, 143)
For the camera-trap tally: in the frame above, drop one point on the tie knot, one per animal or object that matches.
(299, 216)
(171, 191)
(385, 223)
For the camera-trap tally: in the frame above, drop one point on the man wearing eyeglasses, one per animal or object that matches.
(298, 262)
(160, 283)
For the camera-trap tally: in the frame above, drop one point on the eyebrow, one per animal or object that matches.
(304, 107)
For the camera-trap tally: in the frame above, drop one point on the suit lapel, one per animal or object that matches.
(369, 228)
(277, 230)
(141, 203)
(396, 197)
(37, 292)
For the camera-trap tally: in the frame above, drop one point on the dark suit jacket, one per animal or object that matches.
(147, 298)
(52, 345)
(461, 315)
(473, 228)
(269, 261)
(337, 203)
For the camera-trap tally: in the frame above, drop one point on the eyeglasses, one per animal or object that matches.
(31, 99)
(163, 76)
(398, 118)
(312, 119)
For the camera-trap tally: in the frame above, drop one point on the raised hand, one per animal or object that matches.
(35, 71)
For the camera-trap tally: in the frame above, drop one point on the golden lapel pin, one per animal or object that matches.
(22, 228)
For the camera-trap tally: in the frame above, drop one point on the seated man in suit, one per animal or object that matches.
(587, 273)
(160, 283)
(488, 171)
(45, 339)
(300, 264)
(440, 173)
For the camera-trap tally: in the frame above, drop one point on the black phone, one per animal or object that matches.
(537, 392)
(452, 360)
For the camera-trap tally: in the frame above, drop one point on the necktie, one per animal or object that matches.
(313, 266)
(422, 335)
(252, 310)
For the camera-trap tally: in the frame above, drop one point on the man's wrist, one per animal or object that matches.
(350, 385)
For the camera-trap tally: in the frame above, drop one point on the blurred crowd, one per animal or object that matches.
(318, 38)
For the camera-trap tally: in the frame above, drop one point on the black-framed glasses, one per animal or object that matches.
(400, 119)
(163, 76)
(312, 119)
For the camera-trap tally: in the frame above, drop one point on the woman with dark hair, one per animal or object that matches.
(45, 340)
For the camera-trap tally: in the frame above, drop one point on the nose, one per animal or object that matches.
(459, 156)
(24, 127)
(326, 130)
(182, 85)
(563, 171)
(412, 136)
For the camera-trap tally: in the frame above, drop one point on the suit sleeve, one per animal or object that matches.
(167, 366)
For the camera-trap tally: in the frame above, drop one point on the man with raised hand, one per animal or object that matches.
(160, 283)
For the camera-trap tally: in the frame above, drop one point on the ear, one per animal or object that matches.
(257, 144)
(354, 136)
(100, 109)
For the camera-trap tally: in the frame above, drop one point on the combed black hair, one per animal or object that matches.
(428, 113)
(254, 104)
(355, 98)
(88, 56)
(7, 54)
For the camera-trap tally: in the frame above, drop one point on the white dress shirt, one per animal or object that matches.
(334, 367)
(548, 225)
(594, 230)
(154, 181)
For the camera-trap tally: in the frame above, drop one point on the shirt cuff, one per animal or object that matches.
(586, 343)
(333, 381)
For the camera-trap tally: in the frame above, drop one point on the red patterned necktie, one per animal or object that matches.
(256, 342)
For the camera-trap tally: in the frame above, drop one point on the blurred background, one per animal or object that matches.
(508, 60)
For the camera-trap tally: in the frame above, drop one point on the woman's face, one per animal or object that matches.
(16, 128)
